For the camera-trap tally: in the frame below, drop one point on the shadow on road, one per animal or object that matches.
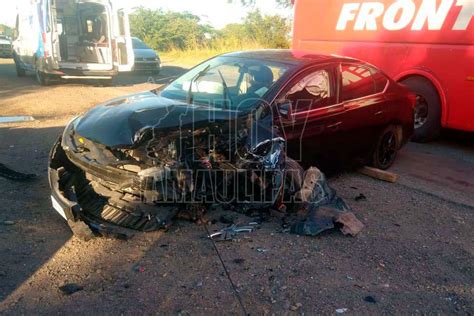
(35, 233)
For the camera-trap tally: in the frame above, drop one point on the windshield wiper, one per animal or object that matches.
(196, 77)
(226, 91)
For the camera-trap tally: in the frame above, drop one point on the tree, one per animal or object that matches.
(6, 30)
(167, 30)
(270, 31)
(281, 3)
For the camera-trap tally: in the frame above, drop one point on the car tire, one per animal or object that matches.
(428, 109)
(42, 78)
(386, 148)
(20, 72)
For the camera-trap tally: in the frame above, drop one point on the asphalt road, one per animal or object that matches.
(415, 255)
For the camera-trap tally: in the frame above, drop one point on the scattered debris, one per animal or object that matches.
(360, 197)
(81, 230)
(139, 269)
(322, 209)
(10, 174)
(230, 232)
(370, 299)
(379, 174)
(262, 250)
(70, 288)
(341, 310)
(296, 307)
(350, 224)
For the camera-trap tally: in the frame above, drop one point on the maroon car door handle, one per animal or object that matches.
(378, 113)
(334, 126)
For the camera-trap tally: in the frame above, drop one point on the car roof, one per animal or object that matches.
(289, 56)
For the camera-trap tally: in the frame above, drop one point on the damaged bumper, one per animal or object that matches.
(77, 200)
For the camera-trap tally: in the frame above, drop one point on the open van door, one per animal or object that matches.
(124, 57)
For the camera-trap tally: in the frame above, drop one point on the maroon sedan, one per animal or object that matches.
(219, 134)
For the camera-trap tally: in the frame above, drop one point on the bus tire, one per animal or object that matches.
(428, 109)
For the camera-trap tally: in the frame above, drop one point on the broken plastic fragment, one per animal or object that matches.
(351, 225)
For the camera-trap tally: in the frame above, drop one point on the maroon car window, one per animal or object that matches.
(357, 82)
(380, 80)
(311, 92)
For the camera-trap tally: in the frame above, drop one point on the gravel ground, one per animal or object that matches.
(415, 255)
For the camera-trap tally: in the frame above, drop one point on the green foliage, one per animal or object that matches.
(269, 31)
(281, 3)
(167, 31)
(6, 30)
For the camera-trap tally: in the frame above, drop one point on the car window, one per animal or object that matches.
(227, 81)
(137, 44)
(357, 82)
(380, 80)
(311, 92)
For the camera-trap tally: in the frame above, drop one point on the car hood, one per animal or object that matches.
(144, 53)
(119, 122)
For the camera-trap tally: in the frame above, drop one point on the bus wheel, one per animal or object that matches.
(386, 149)
(427, 111)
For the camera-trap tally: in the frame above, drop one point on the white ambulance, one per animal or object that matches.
(72, 39)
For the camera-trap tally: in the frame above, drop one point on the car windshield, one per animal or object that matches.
(137, 44)
(227, 82)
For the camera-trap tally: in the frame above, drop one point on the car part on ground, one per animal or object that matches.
(321, 209)
(229, 233)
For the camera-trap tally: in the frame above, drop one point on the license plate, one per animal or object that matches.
(58, 207)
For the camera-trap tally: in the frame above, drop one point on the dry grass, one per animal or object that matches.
(193, 57)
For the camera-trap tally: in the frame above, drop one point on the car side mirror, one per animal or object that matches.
(284, 109)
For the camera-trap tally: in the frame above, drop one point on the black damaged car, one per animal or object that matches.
(219, 135)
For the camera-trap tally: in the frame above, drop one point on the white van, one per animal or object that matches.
(72, 39)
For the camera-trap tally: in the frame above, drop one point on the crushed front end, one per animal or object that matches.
(165, 173)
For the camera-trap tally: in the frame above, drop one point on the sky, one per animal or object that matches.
(218, 13)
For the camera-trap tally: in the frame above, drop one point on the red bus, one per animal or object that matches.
(424, 44)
